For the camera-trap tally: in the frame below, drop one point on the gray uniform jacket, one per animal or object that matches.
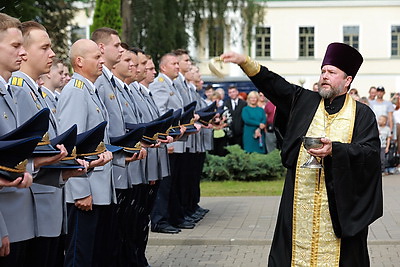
(80, 105)
(183, 87)
(206, 135)
(49, 206)
(152, 112)
(108, 93)
(134, 171)
(151, 163)
(166, 97)
(29, 100)
(50, 99)
(16, 205)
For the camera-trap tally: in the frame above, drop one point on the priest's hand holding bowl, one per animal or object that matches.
(325, 150)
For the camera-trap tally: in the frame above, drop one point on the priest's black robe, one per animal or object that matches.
(353, 173)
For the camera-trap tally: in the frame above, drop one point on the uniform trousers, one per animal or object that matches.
(179, 164)
(35, 252)
(151, 194)
(90, 236)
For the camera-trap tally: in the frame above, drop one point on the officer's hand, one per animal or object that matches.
(20, 182)
(84, 203)
(42, 161)
(233, 57)
(103, 159)
(76, 172)
(5, 246)
(137, 156)
(324, 151)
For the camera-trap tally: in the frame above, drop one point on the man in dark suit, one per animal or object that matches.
(235, 106)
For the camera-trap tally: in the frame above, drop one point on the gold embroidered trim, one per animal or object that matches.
(45, 140)
(100, 149)
(20, 168)
(314, 241)
(250, 67)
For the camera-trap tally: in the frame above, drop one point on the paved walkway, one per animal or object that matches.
(238, 232)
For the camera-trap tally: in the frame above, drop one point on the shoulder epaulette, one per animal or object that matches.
(79, 84)
(17, 81)
(160, 79)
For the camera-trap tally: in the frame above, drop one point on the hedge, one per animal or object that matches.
(242, 166)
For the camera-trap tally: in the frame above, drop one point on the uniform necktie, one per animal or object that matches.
(112, 81)
(40, 92)
(9, 90)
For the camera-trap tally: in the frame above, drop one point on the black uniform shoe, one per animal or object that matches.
(165, 229)
(185, 225)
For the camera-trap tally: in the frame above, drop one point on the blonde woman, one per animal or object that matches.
(254, 125)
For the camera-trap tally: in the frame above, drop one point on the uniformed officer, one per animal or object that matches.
(16, 205)
(157, 166)
(88, 199)
(52, 81)
(203, 143)
(49, 206)
(167, 209)
(126, 220)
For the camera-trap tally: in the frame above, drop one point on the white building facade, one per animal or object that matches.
(294, 35)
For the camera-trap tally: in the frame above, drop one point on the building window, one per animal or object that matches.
(263, 42)
(395, 41)
(351, 36)
(215, 41)
(306, 41)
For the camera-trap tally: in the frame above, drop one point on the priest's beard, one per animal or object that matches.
(329, 93)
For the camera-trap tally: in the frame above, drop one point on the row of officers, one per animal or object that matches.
(85, 174)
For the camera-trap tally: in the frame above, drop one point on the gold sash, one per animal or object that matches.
(314, 241)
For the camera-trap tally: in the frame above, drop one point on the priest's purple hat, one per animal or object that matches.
(344, 57)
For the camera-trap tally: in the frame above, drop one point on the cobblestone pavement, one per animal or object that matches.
(238, 232)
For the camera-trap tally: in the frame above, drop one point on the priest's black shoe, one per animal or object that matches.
(185, 225)
(165, 229)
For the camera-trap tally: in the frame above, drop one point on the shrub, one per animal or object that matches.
(242, 166)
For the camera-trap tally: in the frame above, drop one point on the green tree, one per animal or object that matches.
(160, 26)
(107, 13)
(56, 16)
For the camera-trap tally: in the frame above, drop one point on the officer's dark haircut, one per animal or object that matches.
(137, 50)
(103, 35)
(27, 27)
(163, 58)
(125, 46)
(7, 22)
(180, 52)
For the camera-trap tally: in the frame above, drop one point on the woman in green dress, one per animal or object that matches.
(254, 125)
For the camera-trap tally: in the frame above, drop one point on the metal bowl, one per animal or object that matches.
(312, 142)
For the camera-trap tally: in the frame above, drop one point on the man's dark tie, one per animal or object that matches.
(112, 81)
(40, 92)
(56, 97)
(9, 90)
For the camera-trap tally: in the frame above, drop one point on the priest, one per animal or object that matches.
(324, 213)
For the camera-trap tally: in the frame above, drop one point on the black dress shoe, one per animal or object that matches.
(201, 210)
(194, 218)
(189, 219)
(186, 225)
(165, 229)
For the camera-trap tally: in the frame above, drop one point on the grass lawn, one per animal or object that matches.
(239, 188)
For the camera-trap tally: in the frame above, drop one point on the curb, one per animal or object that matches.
(236, 242)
